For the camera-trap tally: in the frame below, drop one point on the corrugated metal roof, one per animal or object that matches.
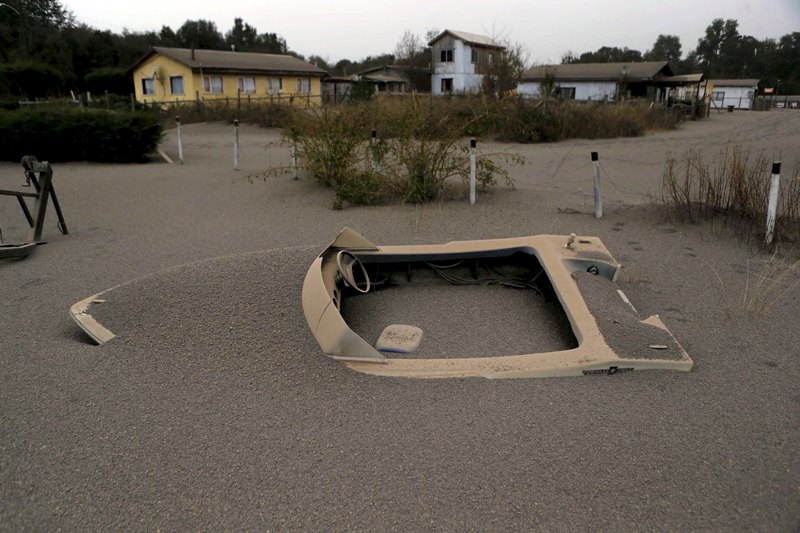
(384, 78)
(238, 61)
(643, 70)
(470, 38)
(684, 78)
(750, 82)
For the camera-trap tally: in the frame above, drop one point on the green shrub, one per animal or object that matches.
(113, 80)
(29, 80)
(75, 134)
(261, 111)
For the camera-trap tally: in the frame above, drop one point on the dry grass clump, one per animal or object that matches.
(262, 111)
(509, 119)
(735, 184)
(774, 281)
(553, 120)
(514, 119)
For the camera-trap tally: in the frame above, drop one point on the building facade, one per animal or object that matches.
(179, 74)
(461, 60)
(737, 93)
(598, 81)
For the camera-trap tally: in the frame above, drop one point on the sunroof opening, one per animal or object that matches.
(465, 306)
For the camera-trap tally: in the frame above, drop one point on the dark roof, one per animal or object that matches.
(218, 60)
(469, 38)
(641, 71)
(734, 83)
(384, 67)
(380, 78)
(683, 78)
(337, 79)
(384, 74)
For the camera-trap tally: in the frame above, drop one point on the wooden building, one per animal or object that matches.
(461, 60)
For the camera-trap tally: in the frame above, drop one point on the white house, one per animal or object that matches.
(738, 93)
(599, 81)
(461, 60)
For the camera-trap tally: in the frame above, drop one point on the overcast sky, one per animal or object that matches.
(354, 29)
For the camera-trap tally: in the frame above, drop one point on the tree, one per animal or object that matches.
(689, 65)
(377, 61)
(48, 13)
(362, 90)
(131, 46)
(242, 37)
(24, 24)
(320, 62)
(718, 50)
(409, 48)
(344, 67)
(666, 48)
(610, 54)
(272, 43)
(167, 37)
(569, 57)
(414, 55)
(504, 70)
(200, 34)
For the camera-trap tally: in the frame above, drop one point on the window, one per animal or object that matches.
(491, 58)
(446, 55)
(447, 85)
(304, 85)
(148, 86)
(274, 85)
(212, 84)
(474, 56)
(247, 85)
(718, 95)
(567, 93)
(176, 84)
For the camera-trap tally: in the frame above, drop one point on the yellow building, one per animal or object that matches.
(176, 74)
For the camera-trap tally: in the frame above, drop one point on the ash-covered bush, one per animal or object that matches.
(78, 134)
(424, 151)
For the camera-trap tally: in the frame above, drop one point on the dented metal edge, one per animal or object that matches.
(80, 314)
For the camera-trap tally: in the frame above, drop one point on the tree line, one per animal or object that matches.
(45, 51)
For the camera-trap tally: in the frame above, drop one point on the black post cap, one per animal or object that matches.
(776, 167)
(236, 122)
(374, 133)
(473, 143)
(594, 156)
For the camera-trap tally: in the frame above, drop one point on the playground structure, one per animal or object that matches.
(40, 175)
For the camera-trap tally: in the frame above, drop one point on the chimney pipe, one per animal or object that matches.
(192, 54)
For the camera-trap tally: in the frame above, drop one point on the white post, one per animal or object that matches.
(598, 201)
(473, 170)
(772, 207)
(372, 139)
(180, 142)
(236, 144)
(294, 160)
